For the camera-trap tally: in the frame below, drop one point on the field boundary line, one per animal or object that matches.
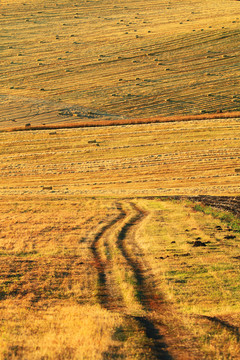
(137, 121)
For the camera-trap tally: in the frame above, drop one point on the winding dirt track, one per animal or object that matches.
(103, 295)
(129, 222)
(119, 236)
(146, 294)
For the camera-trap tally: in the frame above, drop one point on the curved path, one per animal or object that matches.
(103, 294)
(126, 284)
(120, 231)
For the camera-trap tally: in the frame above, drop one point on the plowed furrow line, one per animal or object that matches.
(103, 294)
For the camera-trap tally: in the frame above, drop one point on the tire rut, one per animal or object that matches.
(103, 294)
(146, 295)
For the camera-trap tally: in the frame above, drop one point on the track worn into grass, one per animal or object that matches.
(128, 228)
(122, 230)
(103, 294)
(145, 293)
(223, 324)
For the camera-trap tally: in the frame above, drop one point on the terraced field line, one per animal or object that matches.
(103, 295)
(125, 121)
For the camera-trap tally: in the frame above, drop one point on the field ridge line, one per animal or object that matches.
(132, 121)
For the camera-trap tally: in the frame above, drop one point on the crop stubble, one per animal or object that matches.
(132, 59)
(193, 158)
(123, 269)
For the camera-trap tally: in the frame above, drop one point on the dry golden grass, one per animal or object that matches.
(49, 305)
(93, 263)
(51, 259)
(128, 59)
(202, 283)
(159, 296)
(63, 331)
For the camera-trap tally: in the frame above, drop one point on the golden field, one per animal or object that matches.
(117, 59)
(104, 278)
(95, 264)
(192, 158)
(121, 241)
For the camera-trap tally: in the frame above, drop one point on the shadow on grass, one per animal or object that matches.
(158, 347)
(224, 324)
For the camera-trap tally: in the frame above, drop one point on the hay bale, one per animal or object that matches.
(46, 187)
(198, 243)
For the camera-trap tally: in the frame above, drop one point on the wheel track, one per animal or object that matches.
(158, 347)
(146, 295)
(103, 294)
(223, 324)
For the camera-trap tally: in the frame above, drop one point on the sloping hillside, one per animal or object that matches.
(121, 58)
(180, 158)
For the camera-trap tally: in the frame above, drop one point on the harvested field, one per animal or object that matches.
(149, 58)
(119, 180)
(180, 158)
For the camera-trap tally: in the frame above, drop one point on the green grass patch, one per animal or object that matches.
(232, 220)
